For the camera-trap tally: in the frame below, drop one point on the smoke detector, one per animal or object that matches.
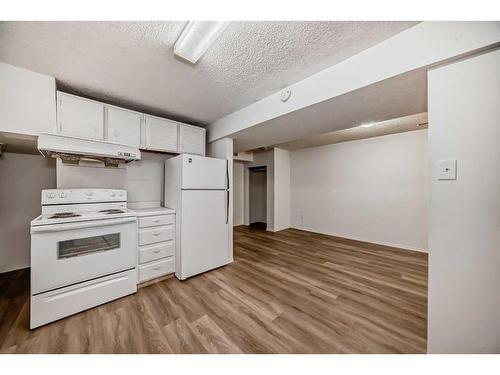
(285, 95)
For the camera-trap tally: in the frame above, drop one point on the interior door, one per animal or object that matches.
(204, 231)
(124, 126)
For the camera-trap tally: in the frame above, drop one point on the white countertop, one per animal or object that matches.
(152, 211)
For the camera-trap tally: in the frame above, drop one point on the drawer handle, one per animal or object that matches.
(156, 234)
(156, 268)
(156, 221)
(156, 251)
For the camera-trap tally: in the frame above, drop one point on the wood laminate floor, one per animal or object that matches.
(286, 292)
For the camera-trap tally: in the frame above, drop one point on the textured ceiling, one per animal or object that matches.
(132, 64)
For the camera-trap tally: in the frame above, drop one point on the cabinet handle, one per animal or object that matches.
(156, 251)
(156, 268)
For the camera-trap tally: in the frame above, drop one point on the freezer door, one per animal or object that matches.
(199, 172)
(204, 242)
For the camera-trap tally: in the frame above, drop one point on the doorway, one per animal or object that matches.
(258, 196)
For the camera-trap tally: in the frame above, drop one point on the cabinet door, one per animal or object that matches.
(27, 101)
(161, 134)
(123, 126)
(191, 140)
(80, 117)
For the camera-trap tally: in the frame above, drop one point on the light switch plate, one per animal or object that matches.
(447, 169)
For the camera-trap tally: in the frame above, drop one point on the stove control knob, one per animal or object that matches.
(62, 194)
(112, 193)
(51, 195)
(89, 193)
(121, 193)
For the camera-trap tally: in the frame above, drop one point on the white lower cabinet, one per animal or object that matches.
(156, 249)
(156, 269)
(156, 220)
(155, 234)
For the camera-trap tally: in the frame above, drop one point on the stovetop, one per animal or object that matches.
(112, 211)
(72, 217)
(61, 206)
(63, 215)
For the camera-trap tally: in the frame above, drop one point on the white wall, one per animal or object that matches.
(372, 190)
(142, 179)
(464, 220)
(238, 193)
(145, 179)
(258, 201)
(281, 189)
(22, 177)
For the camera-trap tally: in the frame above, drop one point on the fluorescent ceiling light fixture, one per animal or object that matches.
(197, 37)
(367, 125)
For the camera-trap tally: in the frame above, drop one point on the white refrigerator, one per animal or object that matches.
(197, 188)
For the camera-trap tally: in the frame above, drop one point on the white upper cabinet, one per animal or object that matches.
(123, 126)
(191, 140)
(80, 117)
(160, 134)
(27, 101)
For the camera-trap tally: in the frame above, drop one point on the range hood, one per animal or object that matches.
(73, 149)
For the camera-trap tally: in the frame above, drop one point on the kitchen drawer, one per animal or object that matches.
(59, 303)
(156, 234)
(156, 269)
(153, 221)
(156, 251)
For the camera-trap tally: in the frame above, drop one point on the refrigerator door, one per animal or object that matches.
(199, 172)
(204, 242)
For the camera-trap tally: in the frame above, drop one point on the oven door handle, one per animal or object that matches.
(81, 225)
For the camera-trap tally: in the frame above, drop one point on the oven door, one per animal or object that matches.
(65, 254)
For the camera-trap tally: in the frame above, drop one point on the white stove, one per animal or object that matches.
(75, 205)
(83, 252)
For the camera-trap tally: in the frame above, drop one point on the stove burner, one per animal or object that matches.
(62, 215)
(112, 211)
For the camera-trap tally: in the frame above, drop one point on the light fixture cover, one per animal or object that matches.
(370, 124)
(197, 37)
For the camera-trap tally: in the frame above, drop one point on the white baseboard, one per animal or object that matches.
(391, 244)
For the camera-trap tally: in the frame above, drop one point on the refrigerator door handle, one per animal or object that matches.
(227, 207)
(227, 191)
